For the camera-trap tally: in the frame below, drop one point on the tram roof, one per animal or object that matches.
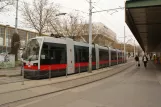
(64, 41)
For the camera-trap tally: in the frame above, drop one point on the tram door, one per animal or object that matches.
(70, 56)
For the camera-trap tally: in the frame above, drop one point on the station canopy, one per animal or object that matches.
(144, 20)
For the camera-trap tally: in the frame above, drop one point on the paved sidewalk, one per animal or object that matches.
(158, 66)
(17, 91)
(10, 72)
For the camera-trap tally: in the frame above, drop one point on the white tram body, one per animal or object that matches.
(63, 55)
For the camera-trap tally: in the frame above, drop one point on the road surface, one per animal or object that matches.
(135, 87)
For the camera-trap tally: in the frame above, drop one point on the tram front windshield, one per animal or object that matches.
(31, 52)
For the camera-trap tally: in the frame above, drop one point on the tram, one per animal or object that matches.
(63, 56)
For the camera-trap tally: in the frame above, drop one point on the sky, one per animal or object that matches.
(113, 20)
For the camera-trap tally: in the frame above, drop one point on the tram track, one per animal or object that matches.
(10, 80)
(59, 90)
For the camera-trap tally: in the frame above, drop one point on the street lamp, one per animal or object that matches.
(16, 19)
(134, 49)
(90, 36)
(61, 14)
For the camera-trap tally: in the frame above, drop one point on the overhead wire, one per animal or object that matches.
(105, 16)
(74, 9)
(98, 1)
(114, 28)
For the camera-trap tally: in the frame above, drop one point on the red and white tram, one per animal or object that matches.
(63, 55)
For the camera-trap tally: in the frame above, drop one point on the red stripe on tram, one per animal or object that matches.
(56, 66)
(31, 67)
(83, 64)
(113, 60)
(104, 62)
(53, 67)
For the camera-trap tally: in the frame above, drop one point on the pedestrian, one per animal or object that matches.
(137, 61)
(145, 60)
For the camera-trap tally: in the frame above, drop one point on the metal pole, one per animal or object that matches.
(79, 68)
(16, 19)
(23, 74)
(117, 57)
(124, 46)
(67, 71)
(90, 36)
(49, 72)
(109, 56)
(134, 49)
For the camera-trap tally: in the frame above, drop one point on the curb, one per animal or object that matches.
(16, 75)
(2, 75)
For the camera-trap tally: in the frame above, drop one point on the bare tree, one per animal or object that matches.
(38, 14)
(15, 44)
(96, 31)
(71, 25)
(5, 3)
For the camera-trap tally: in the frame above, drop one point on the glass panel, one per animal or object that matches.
(31, 51)
(8, 36)
(2, 34)
(104, 55)
(23, 37)
(113, 55)
(53, 54)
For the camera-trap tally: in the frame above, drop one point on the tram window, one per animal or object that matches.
(42, 56)
(58, 54)
(45, 46)
(81, 54)
(103, 54)
(93, 55)
(76, 51)
(44, 53)
(54, 54)
(120, 55)
(113, 55)
(84, 57)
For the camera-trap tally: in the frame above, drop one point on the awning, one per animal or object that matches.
(144, 19)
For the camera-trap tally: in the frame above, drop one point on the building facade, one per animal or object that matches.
(101, 35)
(6, 33)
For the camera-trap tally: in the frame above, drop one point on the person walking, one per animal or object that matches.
(145, 60)
(137, 61)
